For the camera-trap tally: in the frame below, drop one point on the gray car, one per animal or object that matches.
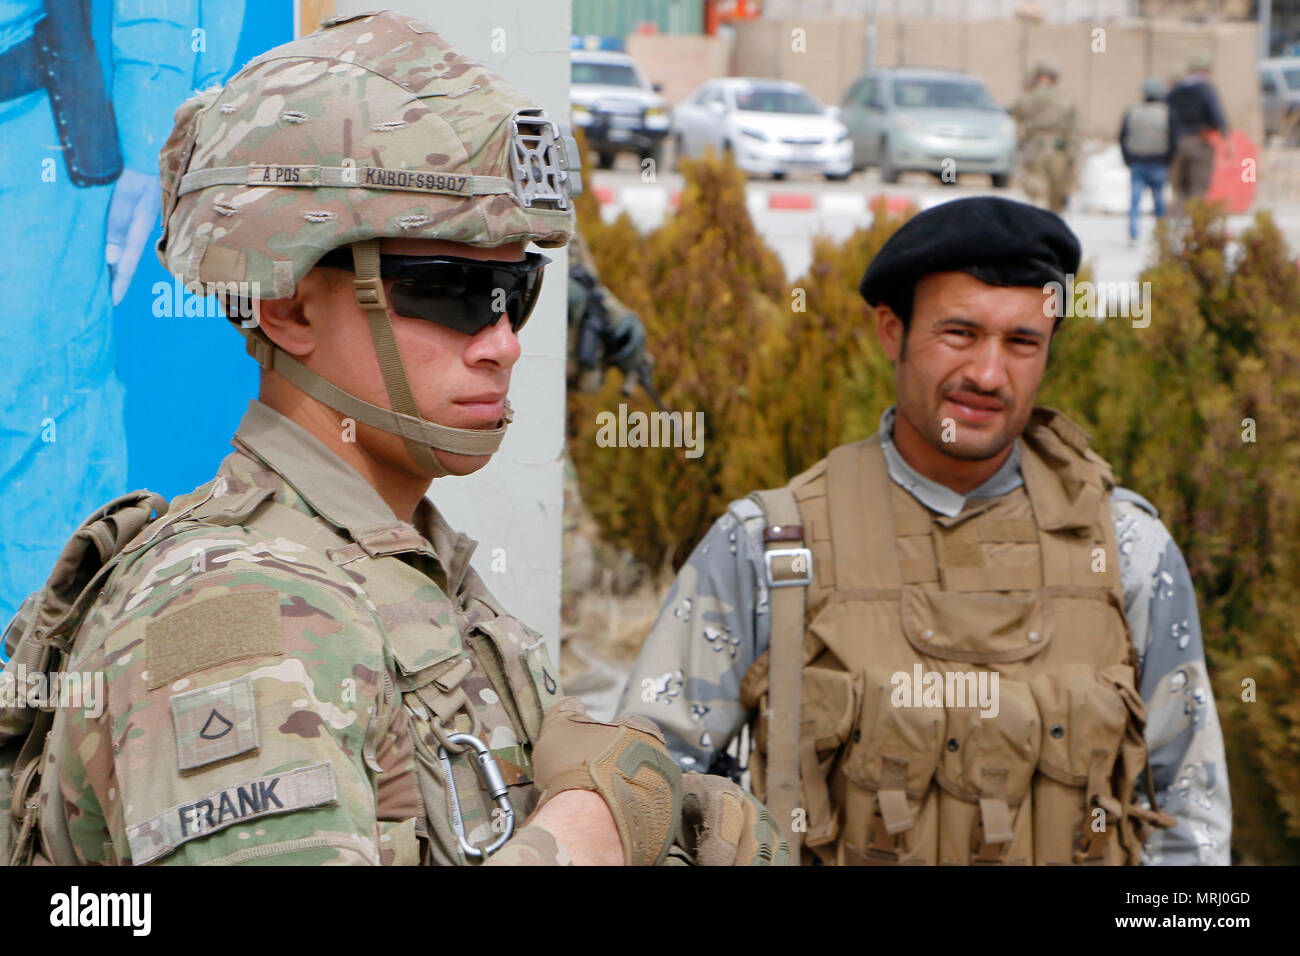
(1279, 95)
(934, 121)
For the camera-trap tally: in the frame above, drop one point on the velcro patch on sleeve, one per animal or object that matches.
(215, 631)
(213, 723)
(277, 793)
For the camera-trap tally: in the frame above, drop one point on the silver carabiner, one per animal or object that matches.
(489, 775)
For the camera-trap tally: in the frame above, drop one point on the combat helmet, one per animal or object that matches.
(371, 127)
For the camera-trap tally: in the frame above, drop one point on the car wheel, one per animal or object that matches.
(838, 177)
(888, 171)
(778, 175)
(605, 159)
(655, 154)
(1001, 180)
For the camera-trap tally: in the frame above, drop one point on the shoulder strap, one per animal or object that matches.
(42, 641)
(789, 572)
(859, 495)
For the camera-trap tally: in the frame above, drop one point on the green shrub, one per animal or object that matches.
(1166, 405)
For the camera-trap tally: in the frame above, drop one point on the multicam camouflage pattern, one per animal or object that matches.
(1049, 146)
(716, 622)
(275, 651)
(382, 94)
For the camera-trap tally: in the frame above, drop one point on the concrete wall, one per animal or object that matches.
(680, 62)
(1103, 83)
(516, 502)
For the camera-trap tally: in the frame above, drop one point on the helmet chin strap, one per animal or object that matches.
(423, 438)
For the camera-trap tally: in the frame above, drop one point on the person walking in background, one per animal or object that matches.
(1147, 138)
(1194, 106)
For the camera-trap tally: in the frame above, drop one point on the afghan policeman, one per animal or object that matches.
(958, 641)
(300, 666)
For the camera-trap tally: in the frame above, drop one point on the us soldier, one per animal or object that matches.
(1048, 139)
(300, 665)
(603, 332)
(857, 613)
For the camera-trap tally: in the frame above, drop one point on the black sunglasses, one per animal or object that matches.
(466, 295)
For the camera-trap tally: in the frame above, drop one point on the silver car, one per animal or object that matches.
(935, 121)
(770, 127)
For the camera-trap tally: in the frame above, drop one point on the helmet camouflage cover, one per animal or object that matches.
(371, 127)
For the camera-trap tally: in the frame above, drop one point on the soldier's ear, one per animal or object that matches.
(286, 323)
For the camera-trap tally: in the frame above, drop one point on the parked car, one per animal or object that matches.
(769, 126)
(1279, 95)
(912, 119)
(615, 104)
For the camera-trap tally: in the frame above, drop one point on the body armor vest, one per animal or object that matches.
(911, 615)
(1148, 130)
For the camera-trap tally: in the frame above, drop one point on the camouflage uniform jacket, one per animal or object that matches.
(1045, 122)
(715, 624)
(272, 682)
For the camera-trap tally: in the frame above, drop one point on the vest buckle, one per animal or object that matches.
(882, 846)
(1089, 846)
(983, 852)
(797, 574)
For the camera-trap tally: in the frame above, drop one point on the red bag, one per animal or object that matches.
(1233, 181)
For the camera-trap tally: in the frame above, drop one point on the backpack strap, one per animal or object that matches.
(43, 641)
(788, 564)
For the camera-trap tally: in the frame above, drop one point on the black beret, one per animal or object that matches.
(1021, 244)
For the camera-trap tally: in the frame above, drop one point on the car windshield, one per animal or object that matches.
(773, 100)
(1292, 78)
(605, 74)
(945, 94)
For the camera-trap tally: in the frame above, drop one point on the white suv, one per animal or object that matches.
(616, 106)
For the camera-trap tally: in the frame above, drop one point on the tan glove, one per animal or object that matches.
(723, 825)
(625, 762)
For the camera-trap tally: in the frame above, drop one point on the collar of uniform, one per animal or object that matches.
(331, 486)
(939, 497)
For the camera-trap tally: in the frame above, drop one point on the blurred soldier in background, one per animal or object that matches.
(1049, 139)
(603, 332)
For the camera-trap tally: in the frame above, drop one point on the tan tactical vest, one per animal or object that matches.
(1025, 586)
(445, 650)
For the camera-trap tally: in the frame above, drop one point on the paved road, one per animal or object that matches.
(789, 213)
